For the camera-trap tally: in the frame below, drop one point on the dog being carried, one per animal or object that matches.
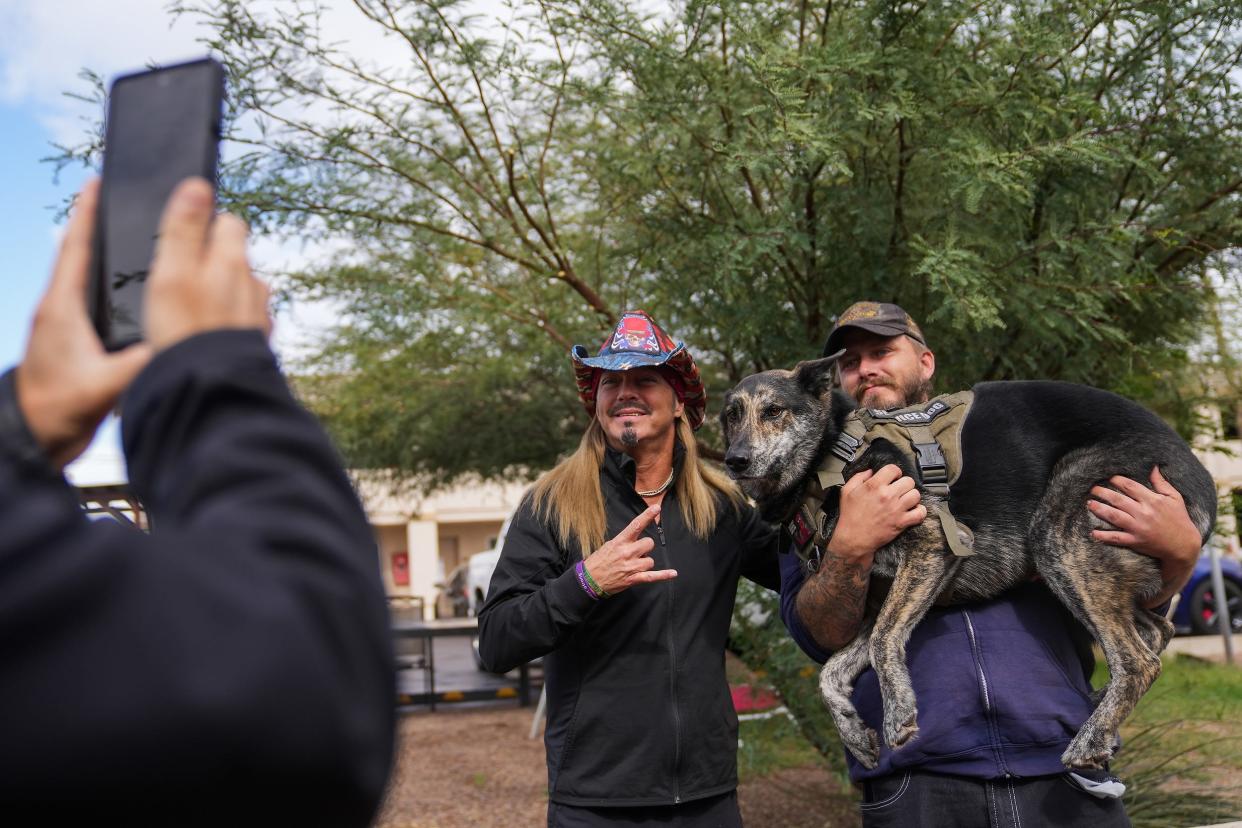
(1031, 453)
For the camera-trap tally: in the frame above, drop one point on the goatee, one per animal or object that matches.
(629, 437)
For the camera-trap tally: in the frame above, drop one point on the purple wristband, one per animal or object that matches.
(580, 571)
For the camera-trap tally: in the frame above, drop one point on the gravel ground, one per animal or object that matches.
(476, 768)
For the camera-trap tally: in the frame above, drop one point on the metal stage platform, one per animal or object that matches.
(437, 666)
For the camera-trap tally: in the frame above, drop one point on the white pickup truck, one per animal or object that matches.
(479, 570)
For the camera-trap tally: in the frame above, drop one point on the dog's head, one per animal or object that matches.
(775, 425)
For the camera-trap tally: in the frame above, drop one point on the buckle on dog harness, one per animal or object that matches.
(846, 445)
(932, 465)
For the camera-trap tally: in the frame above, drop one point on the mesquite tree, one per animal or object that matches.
(1051, 188)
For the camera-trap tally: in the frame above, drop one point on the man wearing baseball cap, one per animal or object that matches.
(620, 568)
(1002, 685)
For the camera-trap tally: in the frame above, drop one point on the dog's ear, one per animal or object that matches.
(815, 375)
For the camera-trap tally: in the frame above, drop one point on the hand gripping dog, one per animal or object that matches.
(1030, 454)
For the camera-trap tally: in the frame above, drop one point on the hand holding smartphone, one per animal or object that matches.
(162, 126)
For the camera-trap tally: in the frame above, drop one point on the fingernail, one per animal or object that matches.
(195, 192)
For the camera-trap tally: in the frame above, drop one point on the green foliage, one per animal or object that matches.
(1182, 747)
(766, 746)
(1053, 189)
(760, 640)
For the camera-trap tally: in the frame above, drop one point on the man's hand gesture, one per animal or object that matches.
(626, 559)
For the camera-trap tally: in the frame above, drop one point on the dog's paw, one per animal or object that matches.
(900, 717)
(865, 745)
(1088, 751)
(899, 735)
(858, 739)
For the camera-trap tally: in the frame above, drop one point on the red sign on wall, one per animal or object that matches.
(401, 568)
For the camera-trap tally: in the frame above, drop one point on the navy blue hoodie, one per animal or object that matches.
(1002, 686)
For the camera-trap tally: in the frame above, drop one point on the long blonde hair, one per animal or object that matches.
(569, 496)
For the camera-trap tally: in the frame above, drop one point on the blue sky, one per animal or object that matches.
(46, 44)
(41, 55)
(27, 230)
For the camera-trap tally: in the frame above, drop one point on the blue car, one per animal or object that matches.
(1196, 611)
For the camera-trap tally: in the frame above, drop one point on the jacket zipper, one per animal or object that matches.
(672, 656)
(987, 700)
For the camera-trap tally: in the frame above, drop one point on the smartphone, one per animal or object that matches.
(162, 126)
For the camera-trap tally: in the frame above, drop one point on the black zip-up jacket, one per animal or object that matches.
(231, 668)
(639, 712)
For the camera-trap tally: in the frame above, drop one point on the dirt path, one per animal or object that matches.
(476, 768)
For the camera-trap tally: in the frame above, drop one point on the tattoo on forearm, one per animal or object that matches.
(832, 601)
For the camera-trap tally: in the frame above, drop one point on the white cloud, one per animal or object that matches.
(300, 325)
(47, 43)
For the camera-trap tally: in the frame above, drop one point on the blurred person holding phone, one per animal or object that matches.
(233, 666)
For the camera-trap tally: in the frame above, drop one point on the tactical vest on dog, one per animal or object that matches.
(929, 434)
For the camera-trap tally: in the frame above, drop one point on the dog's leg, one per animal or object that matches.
(1157, 631)
(1103, 587)
(836, 684)
(1133, 668)
(920, 576)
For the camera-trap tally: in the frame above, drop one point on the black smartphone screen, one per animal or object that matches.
(162, 126)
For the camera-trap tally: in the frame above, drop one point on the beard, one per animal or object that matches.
(629, 437)
(888, 394)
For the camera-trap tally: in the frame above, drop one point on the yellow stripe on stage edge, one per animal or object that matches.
(453, 695)
(506, 693)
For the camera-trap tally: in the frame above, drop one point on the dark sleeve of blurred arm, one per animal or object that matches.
(234, 661)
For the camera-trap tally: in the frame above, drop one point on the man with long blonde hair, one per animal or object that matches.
(620, 568)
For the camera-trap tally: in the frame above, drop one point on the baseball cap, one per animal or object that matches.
(882, 318)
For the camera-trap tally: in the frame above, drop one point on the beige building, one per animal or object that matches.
(421, 539)
(1223, 458)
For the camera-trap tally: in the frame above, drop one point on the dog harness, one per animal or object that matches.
(929, 434)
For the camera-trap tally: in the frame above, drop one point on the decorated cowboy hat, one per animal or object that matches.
(638, 342)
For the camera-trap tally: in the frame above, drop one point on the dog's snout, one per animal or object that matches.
(737, 460)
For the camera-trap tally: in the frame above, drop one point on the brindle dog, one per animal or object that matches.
(1031, 453)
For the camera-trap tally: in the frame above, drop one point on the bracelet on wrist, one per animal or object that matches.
(593, 583)
(581, 573)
